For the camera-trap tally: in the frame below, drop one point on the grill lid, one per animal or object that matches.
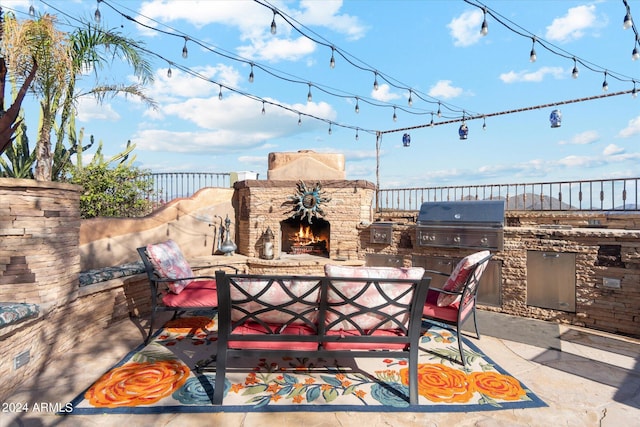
(478, 212)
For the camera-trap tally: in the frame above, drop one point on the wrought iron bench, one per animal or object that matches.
(378, 314)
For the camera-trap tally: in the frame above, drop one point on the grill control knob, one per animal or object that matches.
(484, 241)
(456, 239)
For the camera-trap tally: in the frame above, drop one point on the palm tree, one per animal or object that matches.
(61, 59)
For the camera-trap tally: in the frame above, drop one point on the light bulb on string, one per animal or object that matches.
(485, 28)
(97, 16)
(357, 136)
(634, 92)
(263, 110)
(251, 76)
(484, 123)
(375, 81)
(299, 119)
(431, 124)
(32, 10)
(439, 113)
(395, 117)
(169, 72)
(410, 100)
(309, 96)
(357, 106)
(575, 71)
(185, 52)
(532, 54)
(274, 29)
(330, 128)
(332, 61)
(627, 22)
(635, 54)
(220, 93)
(605, 85)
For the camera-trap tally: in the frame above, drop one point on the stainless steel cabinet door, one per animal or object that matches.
(551, 280)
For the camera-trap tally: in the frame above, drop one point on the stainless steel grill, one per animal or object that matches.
(473, 224)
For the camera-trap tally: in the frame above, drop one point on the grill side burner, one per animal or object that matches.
(464, 224)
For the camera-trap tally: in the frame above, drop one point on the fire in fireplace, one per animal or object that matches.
(300, 237)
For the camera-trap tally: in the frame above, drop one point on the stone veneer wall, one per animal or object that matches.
(262, 204)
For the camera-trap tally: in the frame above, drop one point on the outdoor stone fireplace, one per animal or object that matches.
(309, 206)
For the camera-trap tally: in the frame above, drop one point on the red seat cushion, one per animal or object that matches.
(198, 293)
(252, 328)
(333, 345)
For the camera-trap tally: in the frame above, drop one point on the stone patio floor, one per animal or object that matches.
(588, 378)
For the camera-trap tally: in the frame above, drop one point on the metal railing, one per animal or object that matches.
(174, 185)
(588, 195)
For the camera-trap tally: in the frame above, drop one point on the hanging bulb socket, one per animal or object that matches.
(575, 71)
(627, 22)
(251, 76)
(395, 117)
(332, 61)
(375, 82)
(309, 96)
(169, 72)
(330, 129)
(484, 30)
(274, 28)
(97, 16)
(220, 94)
(532, 55)
(605, 85)
(32, 11)
(185, 52)
(439, 113)
(410, 100)
(357, 106)
(635, 54)
(263, 110)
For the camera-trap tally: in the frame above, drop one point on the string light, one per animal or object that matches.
(220, 93)
(185, 52)
(309, 96)
(627, 22)
(299, 119)
(634, 92)
(484, 30)
(329, 128)
(575, 71)
(410, 100)
(395, 117)
(375, 81)
(169, 72)
(532, 55)
(357, 106)
(431, 124)
(32, 10)
(274, 29)
(251, 76)
(484, 123)
(634, 53)
(97, 15)
(332, 61)
(263, 110)
(357, 136)
(439, 113)
(605, 85)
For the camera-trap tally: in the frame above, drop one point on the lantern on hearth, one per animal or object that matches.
(555, 118)
(267, 244)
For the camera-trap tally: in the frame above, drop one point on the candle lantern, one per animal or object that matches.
(555, 118)
(267, 244)
(463, 131)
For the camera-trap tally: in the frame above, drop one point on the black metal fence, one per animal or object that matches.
(588, 195)
(174, 185)
(622, 194)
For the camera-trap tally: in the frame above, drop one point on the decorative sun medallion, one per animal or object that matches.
(307, 202)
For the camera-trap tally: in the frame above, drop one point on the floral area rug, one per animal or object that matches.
(158, 378)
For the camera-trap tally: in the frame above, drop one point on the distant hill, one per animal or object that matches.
(532, 201)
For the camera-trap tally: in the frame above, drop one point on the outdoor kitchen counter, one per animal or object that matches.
(568, 231)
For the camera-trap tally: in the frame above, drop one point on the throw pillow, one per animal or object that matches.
(372, 297)
(459, 276)
(170, 263)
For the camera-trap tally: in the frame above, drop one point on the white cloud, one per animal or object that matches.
(384, 93)
(535, 76)
(443, 89)
(572, 26)
(89, 109)
(326, 13)
(612, 149)
(278, 49)
(583, 138)
(465, 29)
(633, 128)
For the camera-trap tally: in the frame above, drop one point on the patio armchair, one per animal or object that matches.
(455, 302)
(174, 285)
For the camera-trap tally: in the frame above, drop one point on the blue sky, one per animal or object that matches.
(432, 47)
